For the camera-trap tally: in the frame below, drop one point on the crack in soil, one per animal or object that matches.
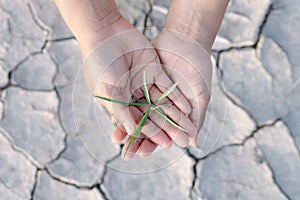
(252, 134)
(273, 174)
(62, 39)
(58, 112)
(101, 188)
(34, 185)
(20, 150)
(194, 169)
(99, 185)
(102, 192)
(68, 181)
(260, 30)
(147, 15)
(10, 84)
(262, 25)
(197, 160)
(38, 22)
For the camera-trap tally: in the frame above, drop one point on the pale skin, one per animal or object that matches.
(184, 46)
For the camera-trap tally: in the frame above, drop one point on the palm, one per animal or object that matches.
(190, 65)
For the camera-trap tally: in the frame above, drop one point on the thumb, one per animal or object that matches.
(125, 115)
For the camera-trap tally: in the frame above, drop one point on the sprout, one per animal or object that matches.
(152, 106)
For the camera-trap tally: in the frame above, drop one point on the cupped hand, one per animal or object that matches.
(114, 67)
(188, 63)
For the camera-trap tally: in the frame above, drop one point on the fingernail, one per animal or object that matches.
(127, 128)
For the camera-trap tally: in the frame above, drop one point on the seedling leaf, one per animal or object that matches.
(166, 93)
(169, 121)
(121, 102)
(146, 92)
(138, 129)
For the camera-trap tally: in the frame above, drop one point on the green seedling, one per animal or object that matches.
(152, 106)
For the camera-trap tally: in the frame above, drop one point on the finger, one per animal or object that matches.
(175, 114)
(199, 107)
(118, 135)
(198, 117)
(125, 115)
(196, 91)
(146, 148)
(193, 141)
(178, 136)
(163, 82)
(132, 148)
(152, 131)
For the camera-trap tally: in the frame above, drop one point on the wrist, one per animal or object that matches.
(102, 30)
(197, 19)
(185, 18)
(87, 16)
(97, 28)
(192, 31)
(89, 20)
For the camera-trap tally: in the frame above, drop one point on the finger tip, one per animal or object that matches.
(127, 157)
(144, 155)
(181, 140)
(117, 136)
(187, 110)
(182, 144)
(114, 140)
(167, 144)
(128, 128)
(193, 142)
